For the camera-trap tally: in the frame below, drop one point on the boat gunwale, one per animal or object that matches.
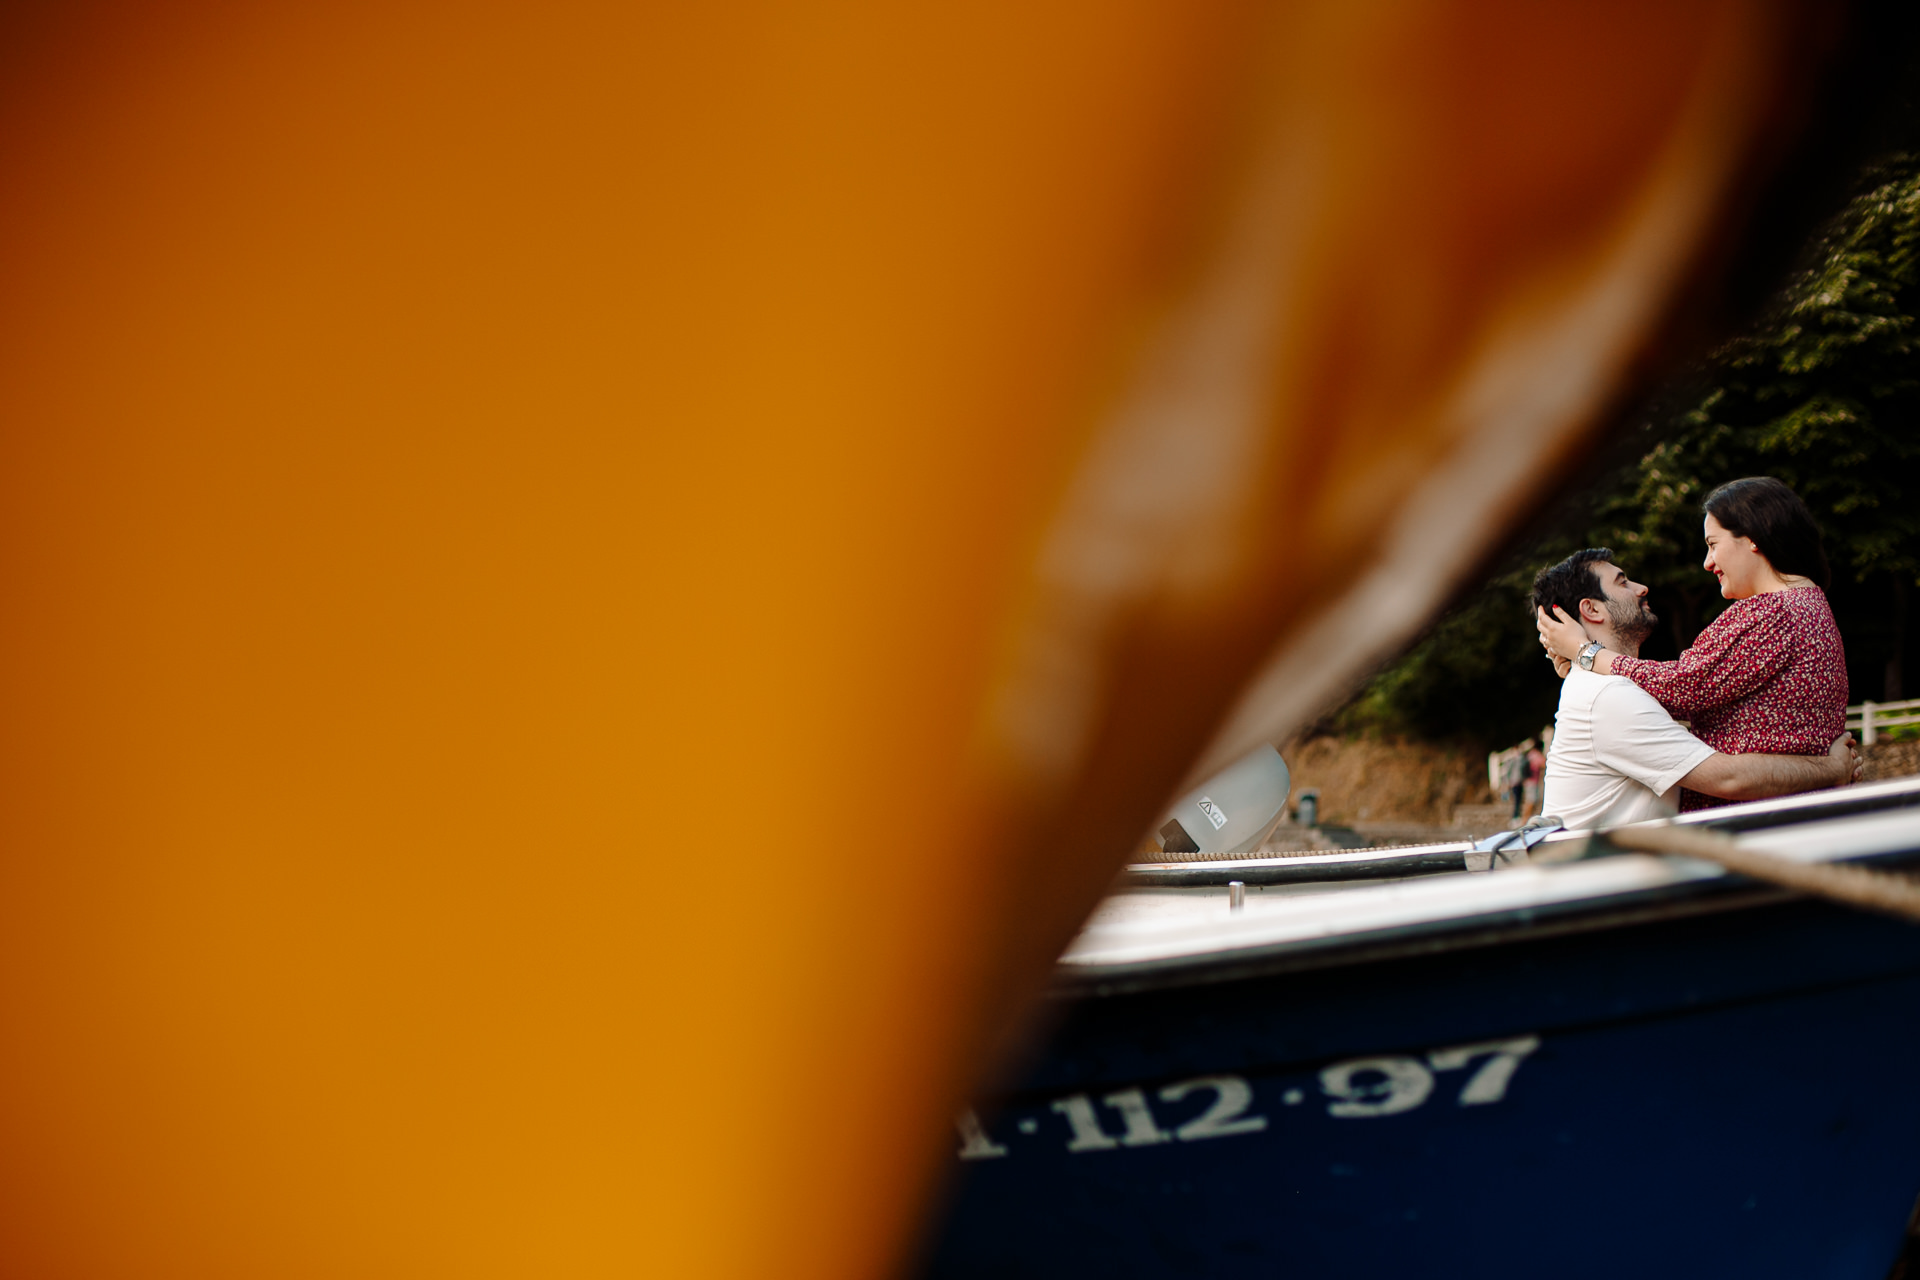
(1440, 857)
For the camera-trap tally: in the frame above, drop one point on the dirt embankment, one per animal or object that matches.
(1890, 760)
(1386, 780)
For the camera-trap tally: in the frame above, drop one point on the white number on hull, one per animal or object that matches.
(1081, 1118)
(1359, 1088)
(1403, 1085)
(1141, 1130)
(974, 1142)
(1489, 1083)
(1226, 1117)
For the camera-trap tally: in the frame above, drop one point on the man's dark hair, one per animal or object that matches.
(1566, 584)
(1782, 529)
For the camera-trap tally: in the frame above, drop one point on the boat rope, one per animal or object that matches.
(1855, 886)
(1158, 857)
(1267, 855)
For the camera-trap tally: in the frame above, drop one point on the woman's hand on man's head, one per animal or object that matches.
(1560, 635)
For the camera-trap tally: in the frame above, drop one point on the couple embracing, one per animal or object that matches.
(1764, 686)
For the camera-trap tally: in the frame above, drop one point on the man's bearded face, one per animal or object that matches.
(1632, 619)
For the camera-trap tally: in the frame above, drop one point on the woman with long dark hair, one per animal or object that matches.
(1770, 673)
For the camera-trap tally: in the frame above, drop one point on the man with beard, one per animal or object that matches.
(1617, 755)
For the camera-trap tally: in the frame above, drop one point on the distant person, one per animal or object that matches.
(1617, 755)
(1770, 673)
(1513, 777)
(1536, 768)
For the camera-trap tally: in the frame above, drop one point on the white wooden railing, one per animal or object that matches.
(1869, 718)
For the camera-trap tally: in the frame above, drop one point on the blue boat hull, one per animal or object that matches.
(1728, 1093)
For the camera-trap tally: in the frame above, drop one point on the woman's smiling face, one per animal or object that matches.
(1735, 561)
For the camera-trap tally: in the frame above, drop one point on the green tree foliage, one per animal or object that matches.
(1824, 393)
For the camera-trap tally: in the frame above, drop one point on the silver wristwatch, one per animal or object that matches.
(1588, 652)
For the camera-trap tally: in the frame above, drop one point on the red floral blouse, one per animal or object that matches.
(1769, 674)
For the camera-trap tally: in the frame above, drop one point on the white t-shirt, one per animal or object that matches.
(1616, 754)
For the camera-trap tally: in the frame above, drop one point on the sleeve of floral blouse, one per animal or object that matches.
(1738, 652)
